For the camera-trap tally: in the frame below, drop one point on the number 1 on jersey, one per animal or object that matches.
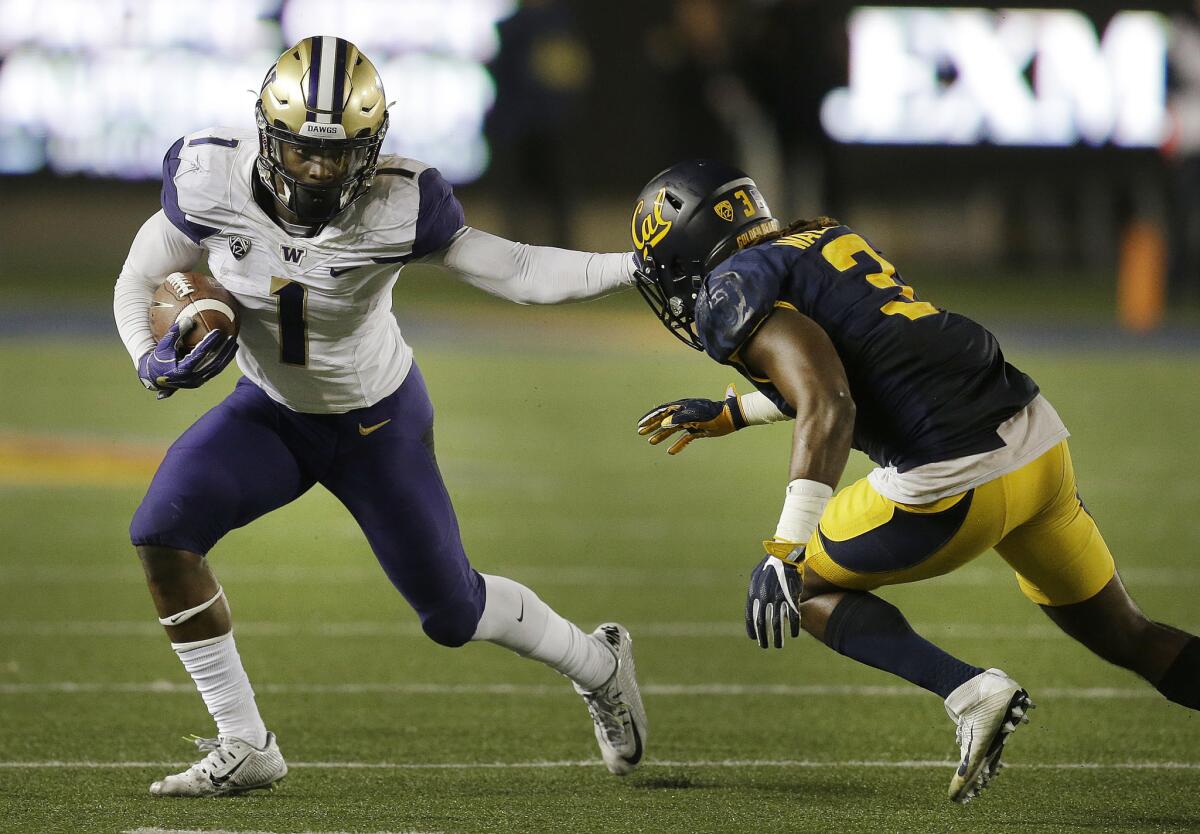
(841, 254)
(291, 302)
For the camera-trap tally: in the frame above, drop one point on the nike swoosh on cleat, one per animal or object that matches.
(365, 430)
(637, 752)
(219, 781)
(521, 616)
(962, 768)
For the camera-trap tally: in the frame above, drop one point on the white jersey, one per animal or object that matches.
(317, 331)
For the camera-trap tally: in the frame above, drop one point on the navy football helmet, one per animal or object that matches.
(689, 219)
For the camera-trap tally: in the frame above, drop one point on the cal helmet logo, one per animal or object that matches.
(724, 210)
(292, 254)
(239, 246)
(649, 230)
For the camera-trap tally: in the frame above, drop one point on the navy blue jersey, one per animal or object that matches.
(928, 384)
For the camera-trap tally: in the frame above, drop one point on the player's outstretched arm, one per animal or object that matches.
(532, 274)
(698, 418)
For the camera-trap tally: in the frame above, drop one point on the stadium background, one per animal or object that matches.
(1066, 252)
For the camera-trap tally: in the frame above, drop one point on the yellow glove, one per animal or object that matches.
(696, 418)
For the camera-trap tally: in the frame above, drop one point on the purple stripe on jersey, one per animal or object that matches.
(339, 77)
(196, 232)
(213, 140)
(439, 214)
(314, 76)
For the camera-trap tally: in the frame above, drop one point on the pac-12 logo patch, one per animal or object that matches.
(291, 254)
(724, 210)
(239, 246)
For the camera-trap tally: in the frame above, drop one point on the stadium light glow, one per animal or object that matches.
(1009, 77)
(103, 87)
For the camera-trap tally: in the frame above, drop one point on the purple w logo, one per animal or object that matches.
(292, 254)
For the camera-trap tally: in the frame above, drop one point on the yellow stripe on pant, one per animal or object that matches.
(1032, 517)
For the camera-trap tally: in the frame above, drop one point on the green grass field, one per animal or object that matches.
(386, 731)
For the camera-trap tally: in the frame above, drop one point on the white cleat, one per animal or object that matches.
(987, 709)
(616, 707)
(232, 766)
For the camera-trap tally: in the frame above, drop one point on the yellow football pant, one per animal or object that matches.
(1032, 517)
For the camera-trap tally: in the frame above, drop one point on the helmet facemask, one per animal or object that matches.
(671, 291)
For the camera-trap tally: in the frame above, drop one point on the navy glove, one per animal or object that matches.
(771, 599)
(695, 417)
(162, 369)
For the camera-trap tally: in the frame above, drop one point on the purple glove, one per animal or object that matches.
(164, 370)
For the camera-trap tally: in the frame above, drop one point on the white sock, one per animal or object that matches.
(514, 617)
(216, 668)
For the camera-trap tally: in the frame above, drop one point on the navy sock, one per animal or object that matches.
(865, 628)
(1181, 682)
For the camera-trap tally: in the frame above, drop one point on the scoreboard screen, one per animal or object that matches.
(1008, 77)
(103, 87)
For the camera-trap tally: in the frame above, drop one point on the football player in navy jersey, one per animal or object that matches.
(968, 454)
(307, 225)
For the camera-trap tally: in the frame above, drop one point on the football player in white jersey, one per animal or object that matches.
(308, 225)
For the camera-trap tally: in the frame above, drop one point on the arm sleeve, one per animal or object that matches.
(158, 250)
(532, 274)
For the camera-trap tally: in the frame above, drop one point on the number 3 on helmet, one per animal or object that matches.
(687, 220)
(322, 116)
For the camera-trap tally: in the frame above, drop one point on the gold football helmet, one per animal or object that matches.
(321, 117)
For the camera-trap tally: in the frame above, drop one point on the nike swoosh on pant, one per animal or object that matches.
(365, 430)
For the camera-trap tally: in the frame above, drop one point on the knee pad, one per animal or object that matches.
(452, 625)
(862, 614)
(1181, 683)
(159, 523)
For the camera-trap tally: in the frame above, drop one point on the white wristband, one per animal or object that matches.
(758, 410)
(802, 510)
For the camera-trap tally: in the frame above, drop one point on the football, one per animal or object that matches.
(196, 296)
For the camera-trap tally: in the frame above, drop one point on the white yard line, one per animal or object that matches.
(349, 630)
(1096, 693)
(978, 574)
(804, 764)
(239, 831)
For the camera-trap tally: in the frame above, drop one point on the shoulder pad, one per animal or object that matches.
(410, 210)
(733, 301)
(201, 193)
